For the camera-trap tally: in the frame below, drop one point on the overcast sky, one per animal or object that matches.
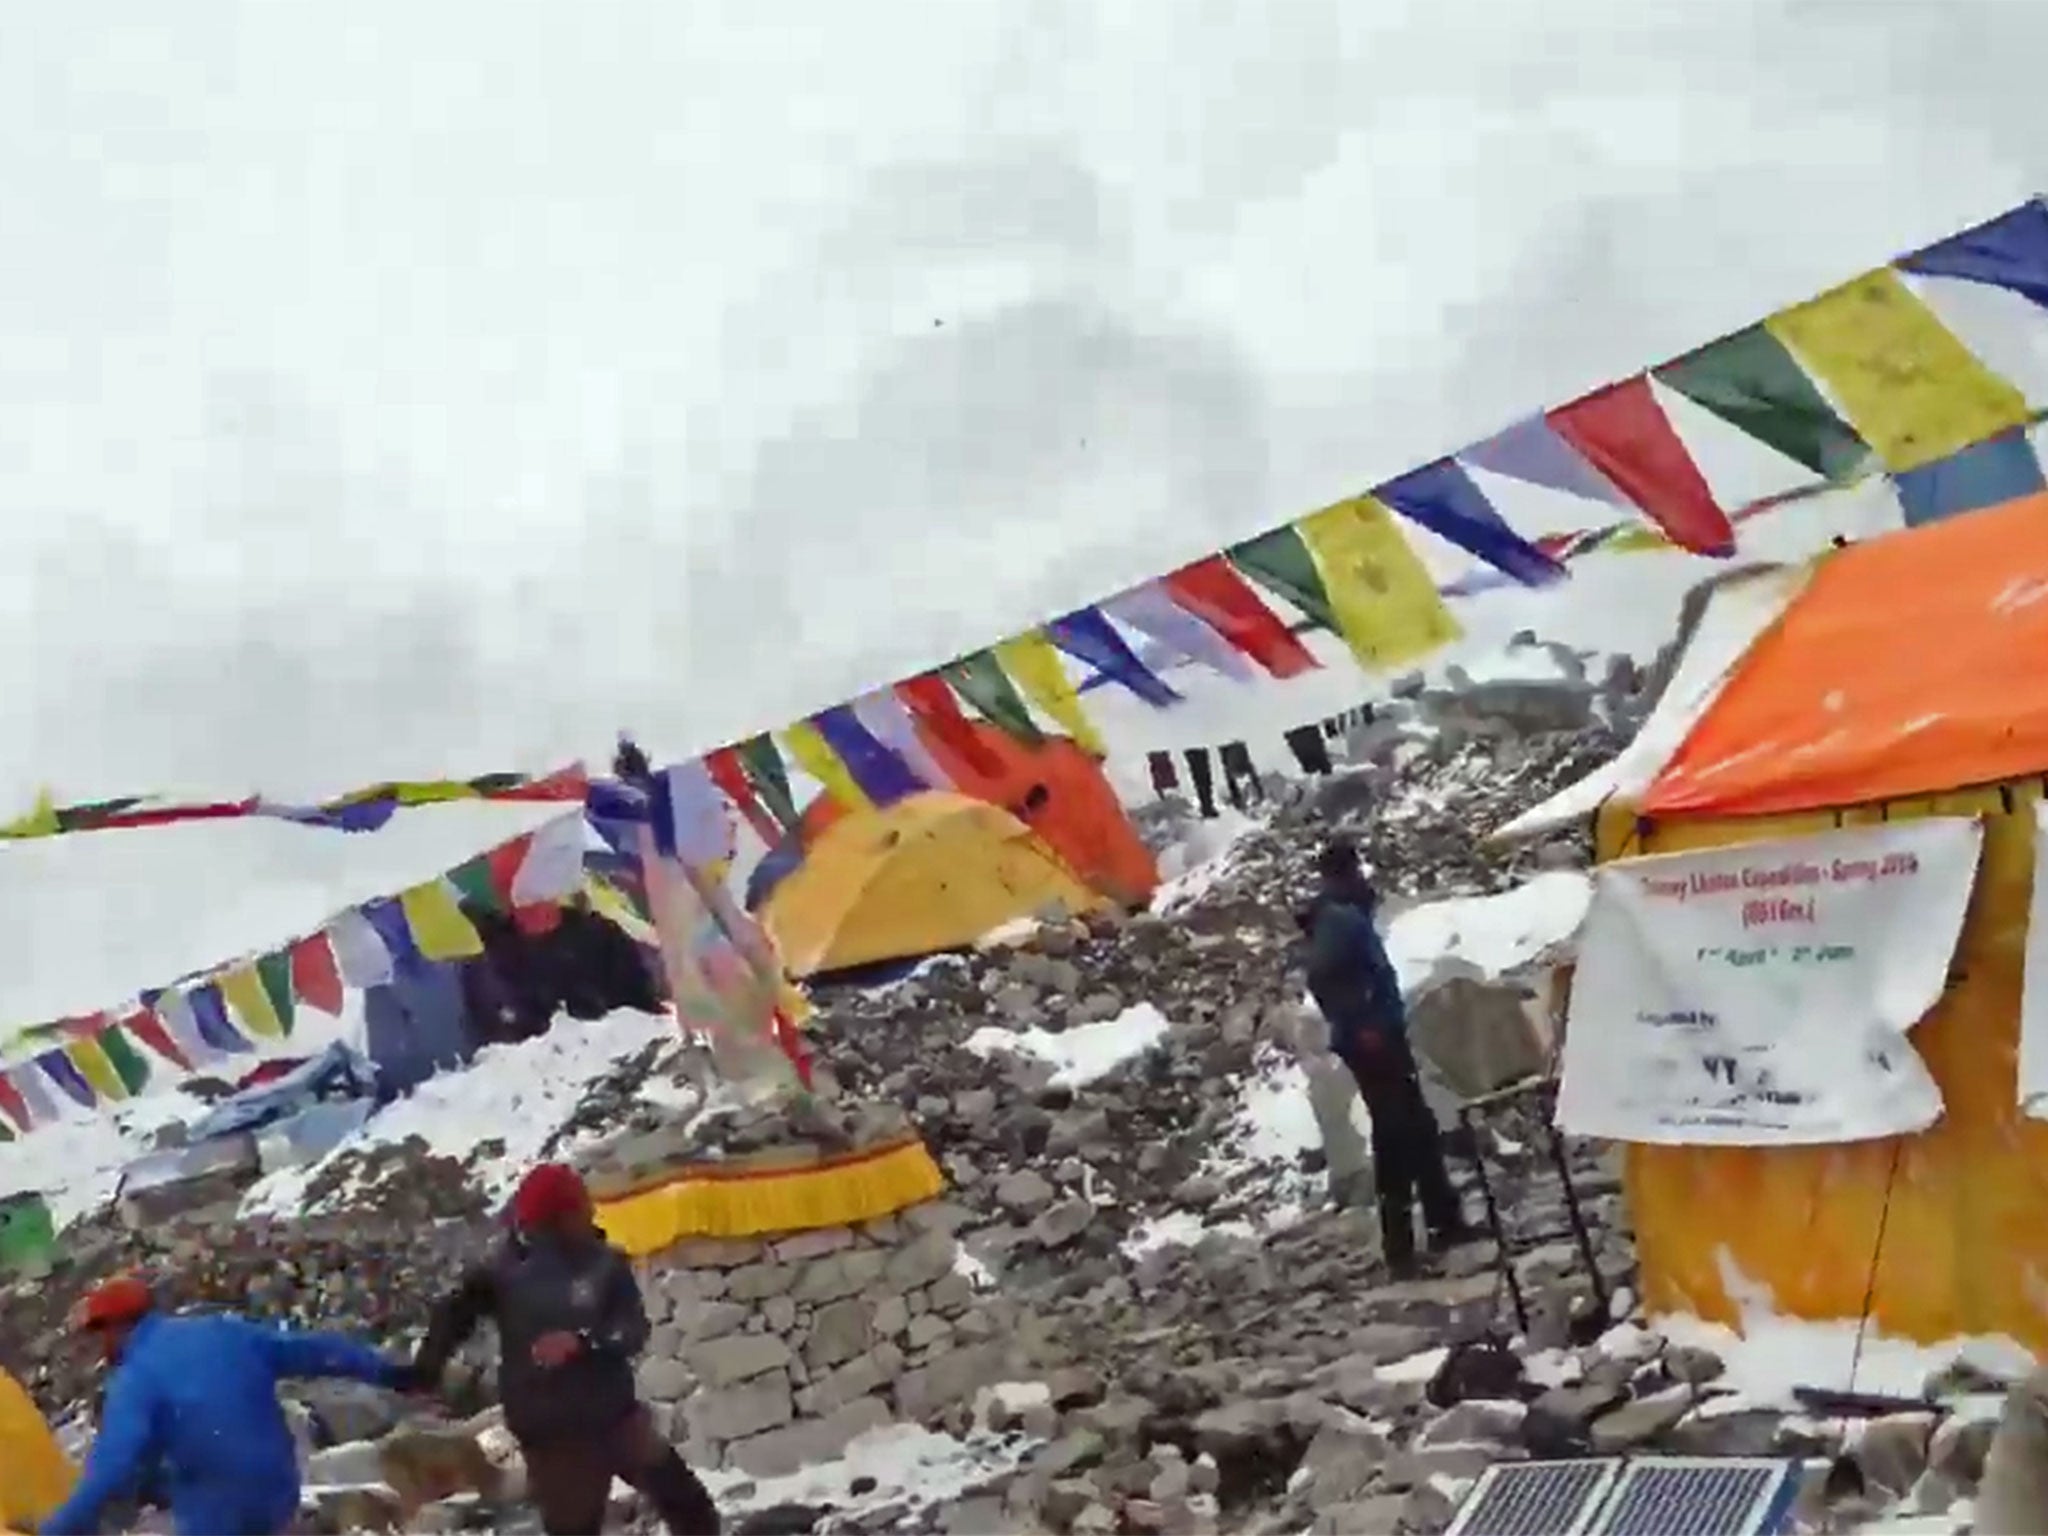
(415, 388)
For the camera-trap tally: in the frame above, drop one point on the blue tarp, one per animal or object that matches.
(336, 1073)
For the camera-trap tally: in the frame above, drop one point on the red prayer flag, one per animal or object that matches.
(504, 863)
(1624, 434)
(1213, 592)
(316, 977)
(13, 1104)
(931, 702)
(145, 1026)
(730, 775)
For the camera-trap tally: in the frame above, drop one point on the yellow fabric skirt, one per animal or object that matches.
(710, 1200)
(35, 1476)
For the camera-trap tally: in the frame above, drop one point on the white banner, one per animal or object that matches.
(2033, 1080)
(1760, 995)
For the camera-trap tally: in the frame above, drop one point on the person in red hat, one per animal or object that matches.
(191, 1409)
(570, 1321)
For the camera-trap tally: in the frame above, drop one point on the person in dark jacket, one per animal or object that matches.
(1355, 985)
(191, 1415)
(570, 1322)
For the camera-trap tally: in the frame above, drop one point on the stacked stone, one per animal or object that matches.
(770, 1354)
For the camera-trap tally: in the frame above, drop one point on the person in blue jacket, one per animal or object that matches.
(1354, 984)
(191, 1411)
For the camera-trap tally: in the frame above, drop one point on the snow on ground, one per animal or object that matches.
(1082, 1054)
(516, 1095)
(1772, 1355)
(893, 1465)
(76, 1163)
(1203, 858)
(1493, 933)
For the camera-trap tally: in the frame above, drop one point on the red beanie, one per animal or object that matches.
(123, 1299)
(547, 1193)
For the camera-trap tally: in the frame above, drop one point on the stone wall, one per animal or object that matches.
(770, 1354)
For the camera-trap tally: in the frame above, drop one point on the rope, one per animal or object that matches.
(1884, 1216)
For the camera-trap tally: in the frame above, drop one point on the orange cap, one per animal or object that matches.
(122, 1299)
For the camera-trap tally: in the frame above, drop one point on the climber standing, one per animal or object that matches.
(191, 1410)
(1354, 983)
(570, 1322)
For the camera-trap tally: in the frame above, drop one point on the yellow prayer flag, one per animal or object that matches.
(1034, 665)
(614, 908)
(816, 757)
(437, 923)
(1913, 391)
(431, 791)
(244, 991)
(1388, 608)
(97, 1068)
(40, 822)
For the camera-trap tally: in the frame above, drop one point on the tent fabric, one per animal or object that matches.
(28, 1236)
(39, 1476)
(1735, 615)
(931, 873)
(1904, 668)
(336, 1072)
(1081, 819)
(1961, 1208)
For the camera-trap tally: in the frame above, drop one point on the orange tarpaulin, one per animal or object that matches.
(1910, 664)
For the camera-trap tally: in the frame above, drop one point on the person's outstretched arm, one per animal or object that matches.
(125, 1447)
(473, 1300)
(311, 1355)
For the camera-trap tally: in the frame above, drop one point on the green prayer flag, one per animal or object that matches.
(275, 972)
(982, 682)
(1280, 562)
(1754, 384)
(472, 882)
(129, 1064)
(762, 760)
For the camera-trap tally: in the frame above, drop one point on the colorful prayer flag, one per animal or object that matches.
(1035, 666)
(1388, 610)
(1914, 392)
(1625, 434)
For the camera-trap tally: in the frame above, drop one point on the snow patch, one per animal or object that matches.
(1772, 1355)
(1273, 1125)
(1201, 861)
(1415, 1368)
(76, 1163)
(514, 1096)
(1493, 933)
(1080, 1055)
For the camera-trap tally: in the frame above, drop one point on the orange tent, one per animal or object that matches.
(1910, 663)
(1080, 817)
(1903, 681)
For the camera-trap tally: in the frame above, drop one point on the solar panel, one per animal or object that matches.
(1536, 1498)
(1699, 1496)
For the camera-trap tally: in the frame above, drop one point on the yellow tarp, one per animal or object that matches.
(35, 1476)
(864, 1186)
(931, 873)
(1965, 1243)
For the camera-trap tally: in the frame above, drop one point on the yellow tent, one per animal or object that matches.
(930, 873)
(35, 1476)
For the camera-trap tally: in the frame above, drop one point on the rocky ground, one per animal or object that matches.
(1263, 1378)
